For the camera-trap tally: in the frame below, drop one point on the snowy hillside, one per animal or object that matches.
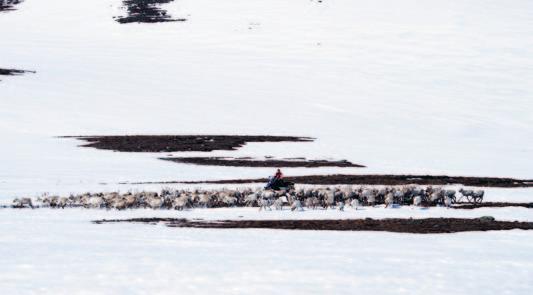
(78, 257)
(399, 86)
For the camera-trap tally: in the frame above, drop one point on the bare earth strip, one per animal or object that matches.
(491, 205)
(237, 162)
(342, 179)
(13, 72)
(418, 226)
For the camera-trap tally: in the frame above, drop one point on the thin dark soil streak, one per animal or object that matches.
(491, 205)
(397, 225)
(241, 162)
(13, 72)
(340, 179)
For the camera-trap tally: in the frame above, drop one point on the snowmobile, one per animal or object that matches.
(279, 184)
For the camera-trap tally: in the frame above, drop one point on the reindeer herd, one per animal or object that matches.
(311, 198)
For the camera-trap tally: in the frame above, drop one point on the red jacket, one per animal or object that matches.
(278, 175)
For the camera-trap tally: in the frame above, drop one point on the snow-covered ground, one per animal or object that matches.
(378, 212)
(62, 253)
(401, 86)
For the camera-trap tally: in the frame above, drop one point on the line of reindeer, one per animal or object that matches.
(296, 199)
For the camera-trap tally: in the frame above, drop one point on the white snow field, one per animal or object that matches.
(439, 87)
(62, 253)
(401, 86)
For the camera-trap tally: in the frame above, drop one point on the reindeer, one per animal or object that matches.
(389, 199)
(312, 202)
(417, 201)
(355, 203)
(180, 202)
(22, 202)
(473, 196)
(265, 204)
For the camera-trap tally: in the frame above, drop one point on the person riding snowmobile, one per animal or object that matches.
(274, 179)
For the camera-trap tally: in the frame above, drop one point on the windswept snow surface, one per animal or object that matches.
(400, 86)
(62, 253)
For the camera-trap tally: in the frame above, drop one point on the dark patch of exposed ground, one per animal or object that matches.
(491, 205)
(247, 162)
(398, 225)
(179, 143)
(8, 5)
(13, 72)
(145, 11)
(339, 179)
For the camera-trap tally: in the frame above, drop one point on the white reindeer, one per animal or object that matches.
(297, 205)
(155, 202)
(417, 201)
(389, 200)
(355, 204)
